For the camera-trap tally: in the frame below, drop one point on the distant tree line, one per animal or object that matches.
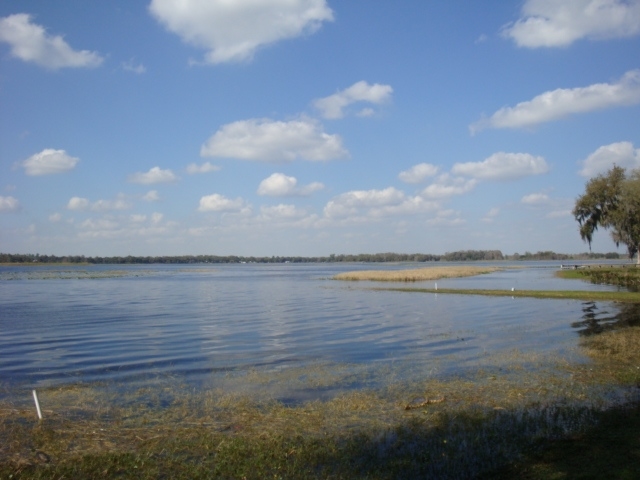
(549, 255)
(459, 256)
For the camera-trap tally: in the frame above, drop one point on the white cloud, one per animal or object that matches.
(555, 23)
(333, 106)
(206, 167)
(55, 217)
(151, 196)
(220, 203)
(78, 203)
(120, 203)
(281, 212)
(446, 218)
(9, 204)
(31, 43)
(562, 102)
(132, 67)
(233, 30)
(621, 154)
(154, 175)
(535, 199)
(503, 166)
(447, 186)
(281, 185)
(274, 141)
(138, 218)
(491, 215)
(418, 173)
(81, 204)
(375, 203)
(156, 217)
(49, 161)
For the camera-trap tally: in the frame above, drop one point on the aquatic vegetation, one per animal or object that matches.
(415, 275)
(70, 274)
(624, 276)
(481, 422)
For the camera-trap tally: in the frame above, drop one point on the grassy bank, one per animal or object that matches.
(494, 419)
(625, 297)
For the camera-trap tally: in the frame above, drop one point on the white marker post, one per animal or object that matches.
(35, 399)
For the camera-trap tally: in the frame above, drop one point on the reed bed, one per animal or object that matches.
(415, 275)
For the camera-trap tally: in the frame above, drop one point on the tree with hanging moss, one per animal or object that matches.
(612, 201)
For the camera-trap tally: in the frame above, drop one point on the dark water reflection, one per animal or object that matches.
(199, 323)
(598, 318)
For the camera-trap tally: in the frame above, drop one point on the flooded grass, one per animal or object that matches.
(624, 275)
(593, 296)
(415, 275)
(500, 418)
(71, 274)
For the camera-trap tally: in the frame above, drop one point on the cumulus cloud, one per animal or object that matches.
(31, 43)
(535, 199)
(233, 31)
(154, 175)
(220, 203)
(206, 167)
(446, 218)
(274, 141)
(503, 166)
(49, 161)
(376, 203)
(55, 217)
(333, 106)
(562, 102)
(9, 204)
(491, 215)
(281, 185)
(133, 67)
(621, 154)
(281, 212)
(553, 23)
(78, 203)
(418, 173)
(120, 203)
(447, 186)
(81, 204)
(151, 196)
(348, 203)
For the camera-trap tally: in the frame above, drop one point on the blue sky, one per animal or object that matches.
(310, 127)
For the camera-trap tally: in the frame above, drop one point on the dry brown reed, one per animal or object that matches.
(415, 275)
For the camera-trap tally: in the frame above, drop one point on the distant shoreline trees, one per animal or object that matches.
(459, 256)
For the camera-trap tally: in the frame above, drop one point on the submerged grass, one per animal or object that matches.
(618, 296)
(490, 420)
(415, 275)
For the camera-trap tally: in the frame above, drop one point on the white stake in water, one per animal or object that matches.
(35, 399)
(436, 286)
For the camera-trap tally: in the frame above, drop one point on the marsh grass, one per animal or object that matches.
(415, 275)
(617, 296)
(491, 417)
(71, 274)
(624, 275)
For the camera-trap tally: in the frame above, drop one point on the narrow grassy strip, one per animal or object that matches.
(414, 275)
(626, 297)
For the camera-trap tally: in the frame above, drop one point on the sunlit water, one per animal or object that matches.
(198, 323)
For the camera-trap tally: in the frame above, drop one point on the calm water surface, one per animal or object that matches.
(136, 323)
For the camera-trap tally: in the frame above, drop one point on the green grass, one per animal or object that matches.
(627, 297)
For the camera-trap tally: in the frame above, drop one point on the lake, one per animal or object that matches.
(209, 325)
